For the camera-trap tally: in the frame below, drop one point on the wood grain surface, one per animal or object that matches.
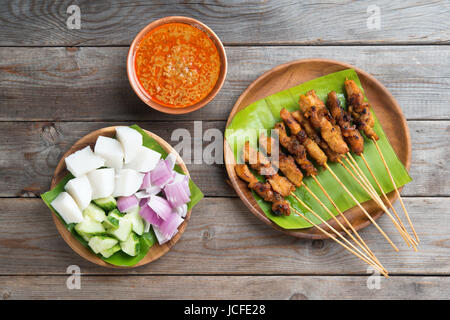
(56, 85)
(109, 23)
(91, 84)
(231, 287)
(223, 237)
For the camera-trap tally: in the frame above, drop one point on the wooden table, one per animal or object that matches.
(57, 85)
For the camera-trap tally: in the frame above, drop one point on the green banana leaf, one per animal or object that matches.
(262, 115)
(148, 239)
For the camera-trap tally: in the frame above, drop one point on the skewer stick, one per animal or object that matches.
(337, 221)
(362, 208)
(361, 242)
(396, 190)
(345, 219)
(355, 252)
(376, 198)
(414, 243)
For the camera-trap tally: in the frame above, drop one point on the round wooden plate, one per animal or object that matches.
(156, 251)
(294, 73)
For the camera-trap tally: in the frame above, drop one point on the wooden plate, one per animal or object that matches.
(156, 251)
(294, 73)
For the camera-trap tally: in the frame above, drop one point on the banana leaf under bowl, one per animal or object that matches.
(258, 109)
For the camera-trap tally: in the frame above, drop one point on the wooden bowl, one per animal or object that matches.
(157, 250)
(294, 73)
(136, 85)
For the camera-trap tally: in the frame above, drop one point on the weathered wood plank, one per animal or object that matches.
(223, 237)
(30, 152)
(91, 83)
(231, 287)
(272, 22)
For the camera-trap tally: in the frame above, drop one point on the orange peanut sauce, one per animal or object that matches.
(177, 64)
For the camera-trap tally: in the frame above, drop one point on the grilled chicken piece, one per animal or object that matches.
(296, 130)
(331, 134)
(257, 161)
(355, 96)
(263, 167)
(279, 205)
(285, 163)
(281, 185)
(351, 135)
(312, 134)
(359, 109)
(262, 189)
(320, 118)
(296, 149)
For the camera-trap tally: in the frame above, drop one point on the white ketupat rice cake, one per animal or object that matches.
(81, 191)
(131, 141)
(67, 208)
(102, 182)
(145, 160)
(83, 161)
(127, 182)
(111, 150)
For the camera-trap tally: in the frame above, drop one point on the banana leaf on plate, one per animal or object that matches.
(262, 115)
(148, 239)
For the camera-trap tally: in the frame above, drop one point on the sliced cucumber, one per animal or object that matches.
(123, 231)
(111, 222)
(101, 243)
(89, 227)
(107, 204)
(85, 236)
(136, 221)
(109, 252)
(94, 212)
(132, 245)
(116, 214)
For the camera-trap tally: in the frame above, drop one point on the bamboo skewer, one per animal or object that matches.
(361, 241)
(355, 251)
(372, 193)
(413, 241)
(396, 190)
(370, 253)
(361, 207)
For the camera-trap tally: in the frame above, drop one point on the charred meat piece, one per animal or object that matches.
(295, 149)
(331, 134)
(320, 118)
(286, 163)
(263, 167)
(312, 134)
(279, 205)
(359, 109)
(296, 130)
(262, 189)
(351, 135)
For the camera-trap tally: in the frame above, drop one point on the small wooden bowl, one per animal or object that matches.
(288, 75)
(156, 251)
(136, 85)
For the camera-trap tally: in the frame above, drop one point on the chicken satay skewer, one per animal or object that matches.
(261, 163)
(279, 205)
(361, 111)
(290, 170)
(333, 137)
(356, 142)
